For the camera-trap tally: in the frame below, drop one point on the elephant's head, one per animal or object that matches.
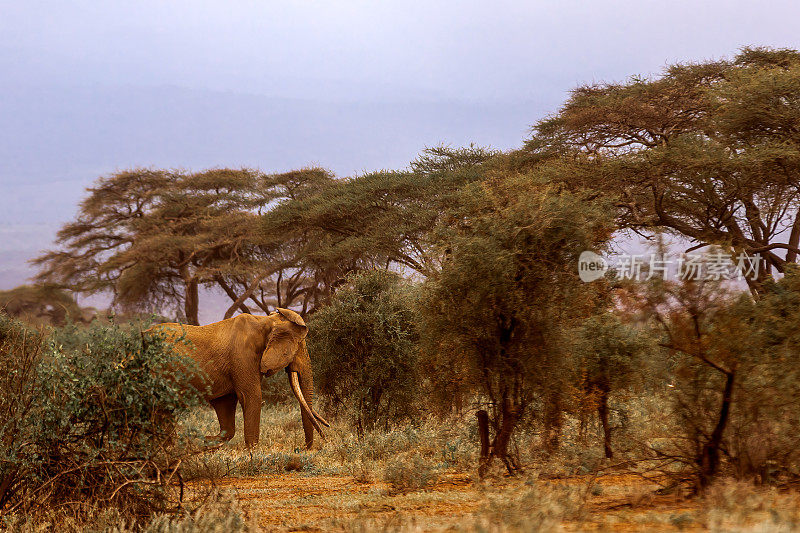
(286, 348)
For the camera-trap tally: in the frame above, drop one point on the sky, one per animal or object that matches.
(344, 50)
(87, 88)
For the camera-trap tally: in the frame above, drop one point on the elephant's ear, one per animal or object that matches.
(291, 316)
(283, 342)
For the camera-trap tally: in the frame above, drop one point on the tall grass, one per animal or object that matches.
(442, 446)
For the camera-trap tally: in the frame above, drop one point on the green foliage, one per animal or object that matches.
(365, 349)
(90, 416)
(610, 353)
(507, 290)
(445, 159)
(379, 218)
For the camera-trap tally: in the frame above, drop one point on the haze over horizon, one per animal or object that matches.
(91, 88)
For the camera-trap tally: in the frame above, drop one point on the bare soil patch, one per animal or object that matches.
(296, 501)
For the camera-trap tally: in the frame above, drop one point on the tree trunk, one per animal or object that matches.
(510, 416)
(191, 303)
(232, 295)
(602, 412)
(553, 421)
(6, 483)
(483, 433)
(709, 456)
(246, 294)
(794, 239)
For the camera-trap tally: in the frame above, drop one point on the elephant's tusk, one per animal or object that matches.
(318, 417)
(303, 405)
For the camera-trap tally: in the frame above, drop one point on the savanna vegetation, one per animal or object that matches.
(472, 379)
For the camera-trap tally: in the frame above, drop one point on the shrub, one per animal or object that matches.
(365, 347)
(218, 513)
(610, 355)
(362, 469)
(90, 417)
(409, 473)
(735, 375)
(20, 353)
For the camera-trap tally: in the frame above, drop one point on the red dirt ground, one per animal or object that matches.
(294, 501)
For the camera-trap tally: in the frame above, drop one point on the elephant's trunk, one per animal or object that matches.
(302, 381)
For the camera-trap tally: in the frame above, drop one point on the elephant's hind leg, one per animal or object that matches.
(225, 406)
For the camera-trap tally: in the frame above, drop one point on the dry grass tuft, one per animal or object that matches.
(731, 505)
(409, 472)
(294, 464)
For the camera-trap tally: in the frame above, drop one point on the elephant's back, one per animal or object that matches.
(183, 337)
(198, 342)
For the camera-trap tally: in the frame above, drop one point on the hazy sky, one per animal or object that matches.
(479, 51)
(90, 87)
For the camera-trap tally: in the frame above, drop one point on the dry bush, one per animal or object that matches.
(362, 470)
(20, 353)
(90, 419)
(410, 472)
(242, 462)
(445, 445)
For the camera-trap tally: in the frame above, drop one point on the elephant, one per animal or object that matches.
(233, 354)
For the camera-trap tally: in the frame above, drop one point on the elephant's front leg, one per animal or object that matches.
(250, 397)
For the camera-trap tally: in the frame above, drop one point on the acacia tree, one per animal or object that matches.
(41, 304)
(708, 151)
(153, 237)
(378, 220)
(507, 289)
(283, 279)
